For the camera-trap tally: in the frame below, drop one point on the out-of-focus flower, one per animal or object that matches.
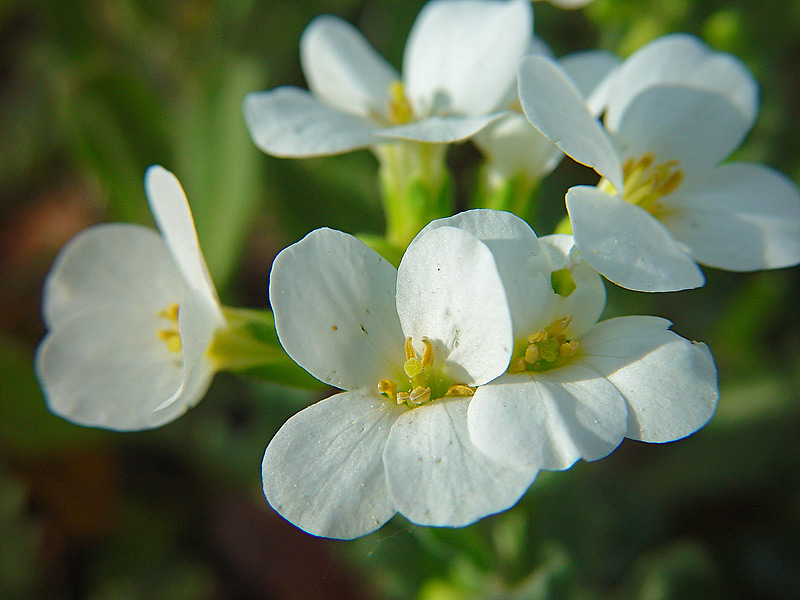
(574, 387)
(131, 315)
(460, 59)
(410, 347)
(672, 112)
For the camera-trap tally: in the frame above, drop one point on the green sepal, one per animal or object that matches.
(249, 346)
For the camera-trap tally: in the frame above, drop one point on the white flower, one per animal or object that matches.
(673, 111)
(460, 58)
(410, 346)
(511, 145)
(574, 387)
(130, 315)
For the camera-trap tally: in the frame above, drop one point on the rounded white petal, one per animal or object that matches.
(334, 304)
(174, 218)
(555, 106)
(290, 122)
(111, 264)
(323, 470)
(108, 368)
(669, 383)
(513, 243)
(684, 60)
(548, 420)
(740, 217)
(439, 129)
(449, 290)
(461, 55)
(695, 127)
(343, 69)
(436, 476)
(627, 245)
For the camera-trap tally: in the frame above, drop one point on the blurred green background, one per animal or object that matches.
(92, 92)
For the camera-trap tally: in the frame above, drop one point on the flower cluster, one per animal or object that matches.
(478, 359)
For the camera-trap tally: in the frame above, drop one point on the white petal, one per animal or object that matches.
(512, 242)
(439, 129)
(108, 368)
(323, 470)
(197, 322)
(684, 60)
(740, 217)
(514, 146)
(461, 55)
(695, 127)
(171, 212)
(548, 420)
(290, 122)
(449, 290)
(111, 264)
(343, 69)
(589, 69)
(555, 106)
(334, 304)
(627, 245)
(436, 476)
(669, 383)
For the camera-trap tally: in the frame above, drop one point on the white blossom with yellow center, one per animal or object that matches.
(671, 113)
(130, 315)
(409, 346)
(574, 387)
(460, 59)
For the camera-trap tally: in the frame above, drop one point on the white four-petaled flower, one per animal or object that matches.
(672, 112)
(409, 346)
(460, 59)
(574, 387)
(131, 315)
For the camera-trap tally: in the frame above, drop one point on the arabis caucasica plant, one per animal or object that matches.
(131, 315)
(410, 347)
(574, 388)
(671, 113)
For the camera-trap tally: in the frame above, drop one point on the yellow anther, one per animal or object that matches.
(517, 365)
(419, 395)
(400, 111)
(645, 181)
(409, 348)
(171, 338)
(568, 349)
(672, 183)
(387, 388)
(171, 312)
(458, 390)
(558, 326)
(427, 353)
(537, 336)
(532, 354)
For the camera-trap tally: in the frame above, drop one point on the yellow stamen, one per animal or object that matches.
(400, 111)
(459, 390)
(387, 388)
(427, 353)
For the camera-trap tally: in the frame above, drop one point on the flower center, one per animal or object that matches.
(646, 182)
(170, 335)
(425, 384)
(545, 349)
(400, 111)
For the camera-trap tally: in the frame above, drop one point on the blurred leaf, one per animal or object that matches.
(684, 571)
(26, 426)
(218, 164)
